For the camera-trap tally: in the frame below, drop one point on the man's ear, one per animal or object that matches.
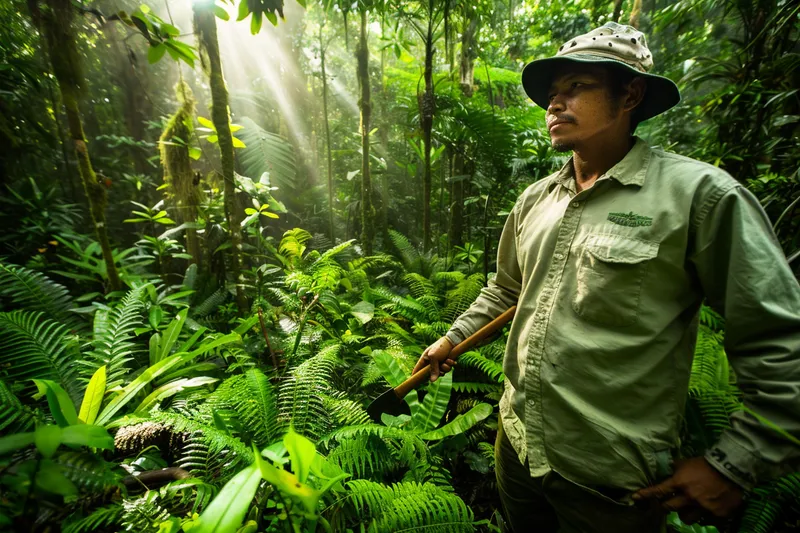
(636, 91)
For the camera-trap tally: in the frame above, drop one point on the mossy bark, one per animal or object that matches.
(183, 190)
(206, 26)
(54, 20)
(367, 211)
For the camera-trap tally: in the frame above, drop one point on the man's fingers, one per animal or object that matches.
(677, 503)
(434, 369)
(660, 491)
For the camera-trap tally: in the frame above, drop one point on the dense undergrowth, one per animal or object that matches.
(153, 409)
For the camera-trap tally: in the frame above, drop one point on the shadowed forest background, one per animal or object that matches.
(226, 228)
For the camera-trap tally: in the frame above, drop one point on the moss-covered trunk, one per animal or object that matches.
(206, 27)
(182, 191)
(54, 19)
(468, 53)
(367, 211)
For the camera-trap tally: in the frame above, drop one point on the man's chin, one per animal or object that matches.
(562, 146)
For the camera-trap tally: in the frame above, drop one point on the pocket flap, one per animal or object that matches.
(620, 249)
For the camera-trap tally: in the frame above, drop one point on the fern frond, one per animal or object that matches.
(768, 503)
(405, 307)
(210, 304)
(364, 457)
(31, 290)
(409, 254)
(143, 515)
(89, 471)
(15, 417)
(32, 346)
(343, 411)
(461, 296)
(301, 395)
(473, 387)
(114, 331)
(492, 369)
(409, 506)
(96, 521)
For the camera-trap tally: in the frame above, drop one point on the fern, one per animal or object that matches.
(32, 346)
(405, 307)
(143, 515)
(461, 296)
(34, 291)
(364, 457)
(14, 416)
(301, 395)
(412, 260)
(89, 471)
(251, 399)
(210, 304)
(768, 503)
(492, 369)
(270, 153)
(113, 346)
(409, 506)
(96, 521)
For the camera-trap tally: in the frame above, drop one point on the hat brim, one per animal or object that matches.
(661, 95)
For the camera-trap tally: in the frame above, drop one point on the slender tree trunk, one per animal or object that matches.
(367, 211)
(427, 108)
(327, 135)
(467, 60)
(636, 12)
(617, 10)
(55, 22)
(457, 214)
(206, 25)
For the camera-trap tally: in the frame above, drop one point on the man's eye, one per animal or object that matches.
(575, 84)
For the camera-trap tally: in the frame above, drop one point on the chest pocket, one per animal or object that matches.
(611, 271)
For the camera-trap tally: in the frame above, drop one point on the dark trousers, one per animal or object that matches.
(552, 504)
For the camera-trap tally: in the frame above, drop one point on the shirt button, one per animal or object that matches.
(576, 204)
(558, 255)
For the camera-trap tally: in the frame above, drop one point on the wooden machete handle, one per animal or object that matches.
(417, 379)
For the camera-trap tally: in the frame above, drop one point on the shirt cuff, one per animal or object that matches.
(736, 463)
(455, 336)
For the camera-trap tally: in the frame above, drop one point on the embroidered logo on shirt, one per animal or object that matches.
(630, 219)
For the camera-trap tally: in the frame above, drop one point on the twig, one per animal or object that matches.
(266, 338)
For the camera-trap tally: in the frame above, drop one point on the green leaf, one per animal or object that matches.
(14, 442)
(435, 404)
(289, 483)
(155, 53)
(236, 127)
(60, 403)
(170, 30)
(207, 123)
(93, 397)
(363, 311)
(212, 138)
(155, 348)
(220, 12)
(302, 453)
(269, 215)
(244, 10)
(86, 435)
(237, 143)
(255, 22)
(171, 389)
(47, 439)
(225, 512)
(171, 334)
(154, 316)
(195, 153)
(392, 372)
(461, 423)
(50, 477)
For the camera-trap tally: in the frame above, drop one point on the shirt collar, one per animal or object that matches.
(631, 170)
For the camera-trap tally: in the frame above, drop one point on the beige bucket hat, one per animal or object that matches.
(612, 44)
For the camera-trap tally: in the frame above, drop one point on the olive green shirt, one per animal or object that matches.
(608, 283)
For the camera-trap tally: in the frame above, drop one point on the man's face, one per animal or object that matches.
(581, 108)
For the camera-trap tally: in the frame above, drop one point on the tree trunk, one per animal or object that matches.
(177, 165)
(56, 25)
(467, 62)
(636, 12)
(426, 111)
(367, 215)
(206, 26)
(617, 10)
(327, 136)
(457, 213)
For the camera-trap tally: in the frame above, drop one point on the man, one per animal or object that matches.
(608, 261)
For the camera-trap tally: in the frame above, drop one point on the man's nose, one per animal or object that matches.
(556, 104)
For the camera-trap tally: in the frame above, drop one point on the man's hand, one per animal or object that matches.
(696, 489)
(438, 356)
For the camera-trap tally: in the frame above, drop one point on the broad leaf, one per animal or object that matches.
(14, 442)
(363, 311)
(434, 405)
(171, 389)
(226, 512)
(93, 397)
(86, 435)
(171, 334)
(60, 403)
(461, 423)
(392, 372)
(47, 439)
(302, 453)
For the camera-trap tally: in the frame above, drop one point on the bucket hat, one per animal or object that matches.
(611, 44)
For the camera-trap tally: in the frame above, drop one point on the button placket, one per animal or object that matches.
(534, 428)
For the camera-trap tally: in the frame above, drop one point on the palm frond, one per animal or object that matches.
(491, 369)
(270, 153)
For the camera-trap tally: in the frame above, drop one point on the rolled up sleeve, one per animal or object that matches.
(745, 276)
